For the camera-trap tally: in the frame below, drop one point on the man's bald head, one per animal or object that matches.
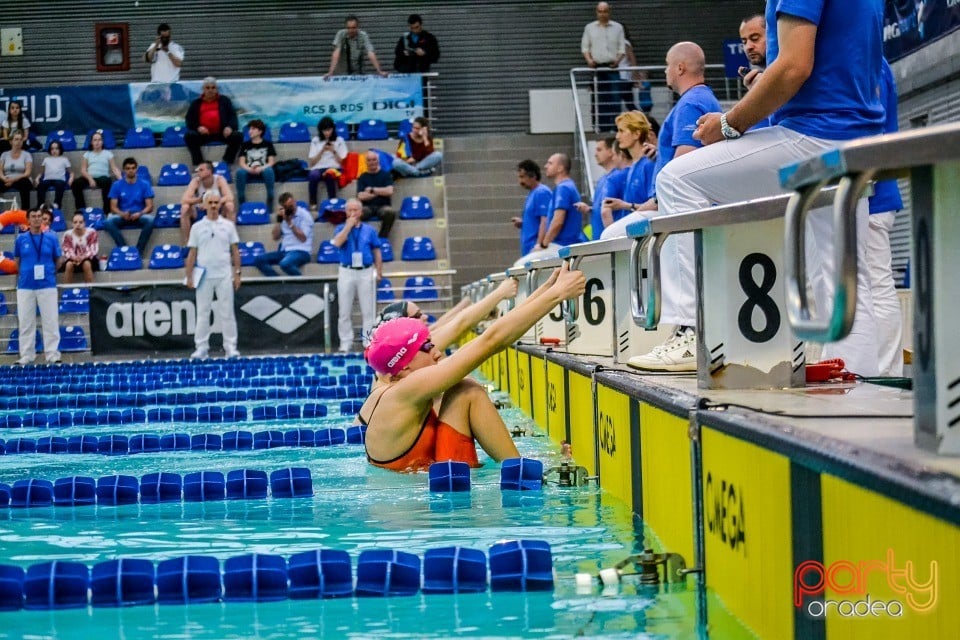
(685, 66)
(691, 55)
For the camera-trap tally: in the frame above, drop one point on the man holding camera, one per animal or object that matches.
(417, 49)
(361, 267)
(294, 229)
(164, 56)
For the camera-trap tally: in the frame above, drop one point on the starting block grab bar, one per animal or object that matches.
(931, 158)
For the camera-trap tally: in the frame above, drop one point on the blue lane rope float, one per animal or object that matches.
(152, 488)
(121, 444)
(519, 565)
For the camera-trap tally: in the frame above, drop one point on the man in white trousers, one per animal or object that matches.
(213, 247)
(38, 256)
(818, 100)
(361, 267)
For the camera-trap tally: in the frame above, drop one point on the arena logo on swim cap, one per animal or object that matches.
(395, 359)
(844, 577)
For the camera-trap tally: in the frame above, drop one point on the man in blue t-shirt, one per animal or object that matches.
(361, 267)
(131, 201)
(609, 185)
(38, 256)
(820, 84)
(536, 208)
(564, 225)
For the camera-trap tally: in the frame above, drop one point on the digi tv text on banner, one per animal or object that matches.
(914, 588)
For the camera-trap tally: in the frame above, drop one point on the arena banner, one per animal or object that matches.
(73, 108)
(150, 319)
(909, 25)
(118, 107)
(348, 99)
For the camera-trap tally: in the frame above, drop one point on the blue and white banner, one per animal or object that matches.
(118, 107)
(911, 24)
(278, 100)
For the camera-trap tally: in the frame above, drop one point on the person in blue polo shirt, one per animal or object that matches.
(361, 267)
(131, 201)
(38, 256)
(824, 60)
(536, 208)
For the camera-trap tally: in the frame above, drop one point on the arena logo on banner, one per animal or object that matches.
(852, 581)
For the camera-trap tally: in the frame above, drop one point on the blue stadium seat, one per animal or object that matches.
(327, 253)
(66, 139)
(3, 305)
(221, 169)
(167, 256)
(294, 132)
(253, 213)
(168, 216)
(333, 210)
(75, 301)
(418, 248)
(72, 338)
(385, 291)
(13, 344)
(249, 252)
(173, 137)
(372, 130)
(94, 217)
(58, 224)
(109, 142)
(416, 208)
(420, 288)
(174, 175)
(138, 138)
(143, 172)
(386, 250)
(266, 134)
(124, 259)
(343, 130)
(405, 127)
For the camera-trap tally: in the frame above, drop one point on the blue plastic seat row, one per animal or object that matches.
(119, 444)
(199, 486)
(324, 573)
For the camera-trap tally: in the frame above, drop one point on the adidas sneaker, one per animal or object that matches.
(679, 353)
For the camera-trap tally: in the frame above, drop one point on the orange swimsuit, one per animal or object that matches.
(436, 441)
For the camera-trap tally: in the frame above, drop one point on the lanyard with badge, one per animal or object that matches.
(356, 256)
(39, 273)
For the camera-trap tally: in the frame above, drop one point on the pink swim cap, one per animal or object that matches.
(395, 343)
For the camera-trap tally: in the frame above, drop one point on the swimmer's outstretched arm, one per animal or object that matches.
(445, 335)
(430, 382)
(450, 314)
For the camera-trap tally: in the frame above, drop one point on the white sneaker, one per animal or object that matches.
(233, 353)
(200, 354)
(25, 361)
(679, 353)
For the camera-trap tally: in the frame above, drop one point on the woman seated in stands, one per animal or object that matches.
(14, 122)
(633, 130)
(97, 170)
(416, 155)
(16, 165)
(427, 409)
(80, 249)
(325, 159)
(56, 173)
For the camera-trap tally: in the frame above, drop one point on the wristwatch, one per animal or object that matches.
(726, 130)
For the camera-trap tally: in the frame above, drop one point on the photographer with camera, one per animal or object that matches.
(361, 267)
(417, 49)
(294, 229)
(164, 56)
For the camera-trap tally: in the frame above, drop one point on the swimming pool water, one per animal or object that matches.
(355, 507)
